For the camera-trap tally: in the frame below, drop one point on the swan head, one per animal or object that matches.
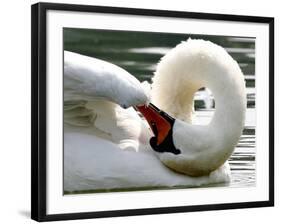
(161, 125)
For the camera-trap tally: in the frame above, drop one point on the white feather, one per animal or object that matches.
(106, 146)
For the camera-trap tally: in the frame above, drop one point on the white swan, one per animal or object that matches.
(106, 146)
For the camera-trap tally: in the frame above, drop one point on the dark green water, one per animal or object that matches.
(139, 52)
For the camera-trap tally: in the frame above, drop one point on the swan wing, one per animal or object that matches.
(92, 91)
(87, 78)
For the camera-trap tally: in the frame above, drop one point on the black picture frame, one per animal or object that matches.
(39, 122)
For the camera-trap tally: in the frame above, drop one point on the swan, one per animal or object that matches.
(107, 145)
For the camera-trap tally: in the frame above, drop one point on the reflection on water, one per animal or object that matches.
(139, 52)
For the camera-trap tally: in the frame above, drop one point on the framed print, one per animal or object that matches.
(138, 111)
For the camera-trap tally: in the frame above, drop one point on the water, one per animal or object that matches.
(139, 52)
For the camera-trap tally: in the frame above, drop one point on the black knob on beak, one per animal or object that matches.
(162, 126)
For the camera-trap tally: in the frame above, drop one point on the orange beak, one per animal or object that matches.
(162, 126)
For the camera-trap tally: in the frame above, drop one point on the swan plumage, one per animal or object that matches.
(87, 78)
(189, 66)
(106, 145)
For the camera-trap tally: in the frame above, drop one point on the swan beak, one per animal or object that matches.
(162, 126)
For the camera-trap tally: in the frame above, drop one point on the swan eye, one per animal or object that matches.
(124, 106)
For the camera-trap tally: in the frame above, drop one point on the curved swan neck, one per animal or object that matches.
(229, 92)
(195, 64)
(180, 73)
